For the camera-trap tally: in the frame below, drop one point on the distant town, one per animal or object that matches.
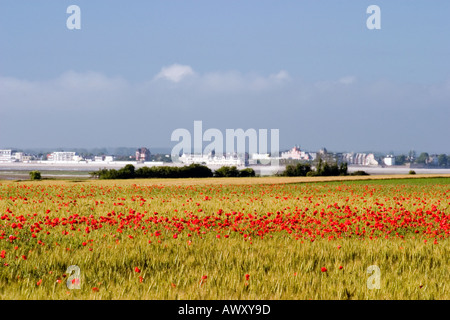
(294, 155)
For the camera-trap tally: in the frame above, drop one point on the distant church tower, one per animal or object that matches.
(142, 155)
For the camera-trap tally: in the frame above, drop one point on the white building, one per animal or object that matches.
(263, 158)
(5, 156)
(361, 159)
(105, 159)
(313, 155)
(389, 160)
(296, 154)
(225, 160)
(17, 156)
(63, 157)
(260, 156)
(370, 160)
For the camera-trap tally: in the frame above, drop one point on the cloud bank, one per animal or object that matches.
(347, 114)
(175, 73)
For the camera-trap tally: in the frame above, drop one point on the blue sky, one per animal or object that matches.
(137, 70)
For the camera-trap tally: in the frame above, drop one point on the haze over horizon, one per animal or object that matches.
(137, 71)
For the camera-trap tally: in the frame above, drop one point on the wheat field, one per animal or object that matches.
(255, 238)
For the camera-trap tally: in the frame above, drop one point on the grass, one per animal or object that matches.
(174, 271)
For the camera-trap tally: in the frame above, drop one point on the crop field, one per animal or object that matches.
(260, 238)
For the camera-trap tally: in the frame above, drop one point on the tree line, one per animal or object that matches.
(191, 171)
(441, 160)
(323, 168)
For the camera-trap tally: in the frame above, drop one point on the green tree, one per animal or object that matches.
(343, 169)
(443, 160)
(311, 174)
(226, 171)
(422, 158)
(303, 169)
(412, 155)
(400, 160)
(126, 172)
(195, 171)
(289, 171)
(299, 170)
(247, 172)
(319, 167)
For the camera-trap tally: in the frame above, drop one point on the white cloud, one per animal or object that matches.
(233, 81)
(281, 76)
(175, 73)
(347, 80)
(229, 81)
(89, 81)
(226, 81)
(70, 91)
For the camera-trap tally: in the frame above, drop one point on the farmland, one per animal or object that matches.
(255, 238)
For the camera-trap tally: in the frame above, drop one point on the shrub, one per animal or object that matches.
(412, 172)
(194, 171)
(35, 175)
(360, 173)
(226, 172)
(322, 169)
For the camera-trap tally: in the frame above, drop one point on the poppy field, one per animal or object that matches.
(138, 239)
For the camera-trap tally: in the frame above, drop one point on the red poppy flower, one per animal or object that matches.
(323, 269)
(247, 277)
(137, 270)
